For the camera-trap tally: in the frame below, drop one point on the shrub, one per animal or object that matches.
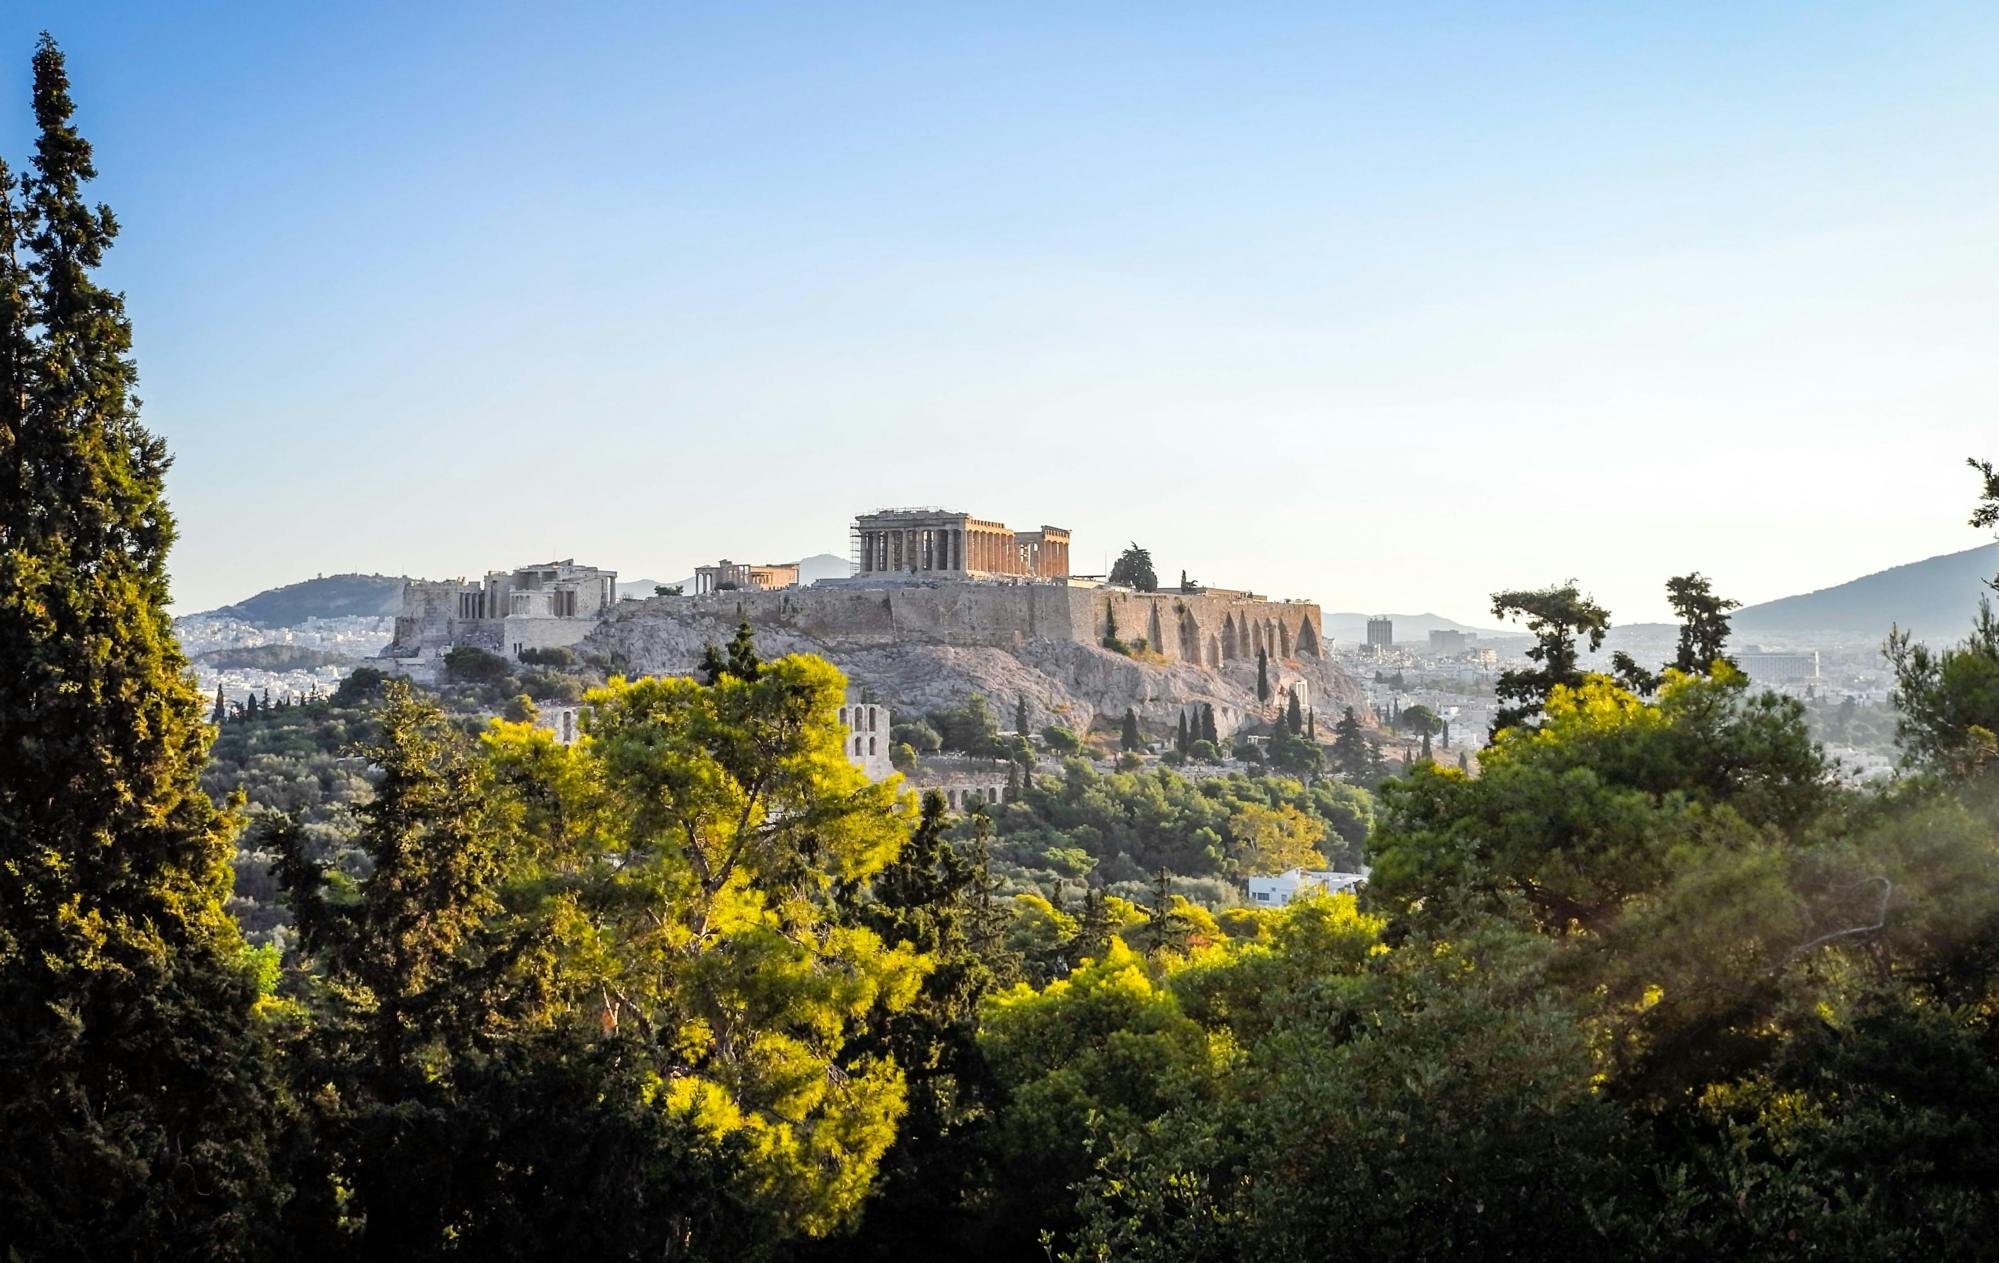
(547, 686)
(1062, 740)
(553, 656)
(920, 736)
(362, 684)
(473, 664)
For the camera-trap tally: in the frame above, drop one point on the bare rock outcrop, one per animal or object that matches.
(1065, 682)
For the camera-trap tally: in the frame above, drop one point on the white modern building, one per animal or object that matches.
(1275, 892)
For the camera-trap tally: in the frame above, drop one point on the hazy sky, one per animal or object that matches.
(1387, 306)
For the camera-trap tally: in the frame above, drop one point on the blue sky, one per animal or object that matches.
(1386, 306)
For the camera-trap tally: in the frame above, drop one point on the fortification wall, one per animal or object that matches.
(515, 634)
(1208, 629)
(425, 621)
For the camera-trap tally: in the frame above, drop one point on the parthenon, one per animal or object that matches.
(942, 542)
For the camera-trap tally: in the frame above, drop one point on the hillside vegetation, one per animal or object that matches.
(331, 596)
(271, 657)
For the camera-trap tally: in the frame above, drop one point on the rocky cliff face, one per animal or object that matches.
(1064, 682)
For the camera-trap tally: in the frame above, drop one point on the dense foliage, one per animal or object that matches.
(1125, 826)
(1655, 984)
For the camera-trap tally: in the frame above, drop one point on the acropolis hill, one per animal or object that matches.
(941, 605)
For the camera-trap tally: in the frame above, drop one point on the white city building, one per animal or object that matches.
(1275, 892)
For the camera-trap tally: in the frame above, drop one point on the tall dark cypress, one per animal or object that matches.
(131, 1098)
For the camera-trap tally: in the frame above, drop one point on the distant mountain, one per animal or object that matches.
(1352, 628)
(1934, 599)
(329, 596)
(638, 588)
(823, 566)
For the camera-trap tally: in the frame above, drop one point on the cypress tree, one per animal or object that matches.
(1294, 718)
(1208, 732)
(1159, 915)
(1426, 745)
(1093, 929)
(742, 661)
(1129, 738)
(1312, 724)
(1020, 714)
(1263, 676)
(221, 711)
(1180, 742)
(133, 1098)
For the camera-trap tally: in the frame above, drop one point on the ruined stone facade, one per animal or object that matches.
(943, 543)
(963, 782)
(866, 726)
(727, 575)
(554, 604)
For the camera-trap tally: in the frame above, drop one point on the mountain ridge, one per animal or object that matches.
(1933, 598)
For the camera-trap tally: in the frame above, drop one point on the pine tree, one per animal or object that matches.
(1129, 738)
(133, 1103)
(1561, 618)
(1133, 569)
